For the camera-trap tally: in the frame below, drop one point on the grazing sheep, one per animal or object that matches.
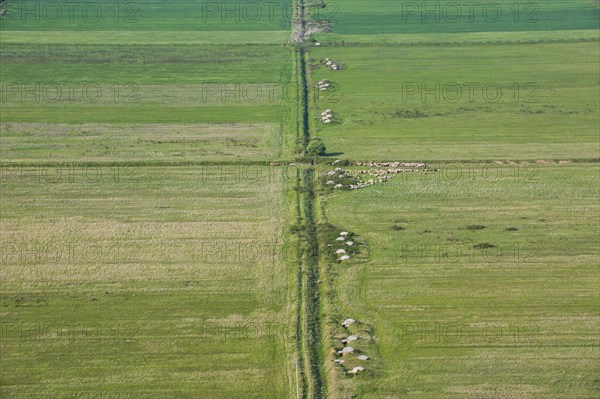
(356, 370)
(351, 338)
(350, 243)
(340, 239)
(344, 257)
(340, 251)
(348, 322)
(344, 233)
(346, 350)
(363, 357)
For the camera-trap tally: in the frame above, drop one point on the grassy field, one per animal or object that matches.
(139, 143)
(451, 318)
(143, 235)
(420, 85)
(156, 242)
(144, 283)
(462, 102)
(352, 17)
(478, 280)
(64, 83)
(148, 15)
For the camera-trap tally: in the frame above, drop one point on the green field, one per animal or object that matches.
(477, 279)
(463, 102)
(143, 232)
(450, 320)
(165, 232)
(133, 282)
(392, 17)
(148, 15)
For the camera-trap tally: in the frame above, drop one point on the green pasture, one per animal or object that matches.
(352, 17)
(148, 15)
(138, 143)
(143, 282)
(482, 281)
(461, 102)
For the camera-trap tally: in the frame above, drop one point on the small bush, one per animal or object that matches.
(316, 147)
(397, 228)
(475, 227)
(297, 229)
(484, 245)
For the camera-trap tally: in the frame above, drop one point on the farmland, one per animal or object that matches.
(463, 102)
(168, 232)
(131, 281)
(515, 317)
(477, 278)
(143, 230)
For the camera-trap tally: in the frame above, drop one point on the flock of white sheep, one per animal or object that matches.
(388, 169)
(348, 350)
(332, 65)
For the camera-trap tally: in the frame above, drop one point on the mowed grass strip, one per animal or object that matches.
(39, 143)
(447, 16)
(461, 102)
(479, 284)
(145, 283)
(111, 63)
(128, 84)
(155, 37)
(148, 15)
(438, 39)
